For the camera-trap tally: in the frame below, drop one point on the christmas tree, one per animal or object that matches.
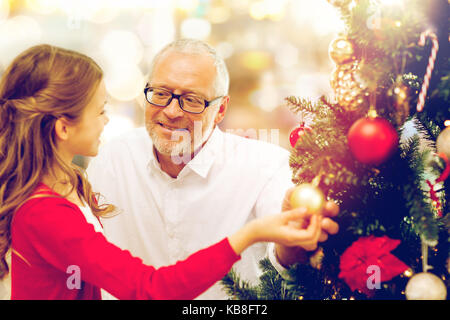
(392, 74)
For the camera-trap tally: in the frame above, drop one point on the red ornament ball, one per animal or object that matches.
(372, 140)
(297, 133)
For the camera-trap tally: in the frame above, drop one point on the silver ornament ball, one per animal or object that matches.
(443, 142)
(425, 286)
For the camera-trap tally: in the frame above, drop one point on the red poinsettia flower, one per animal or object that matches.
(369, 252)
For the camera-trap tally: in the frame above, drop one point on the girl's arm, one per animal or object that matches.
(59, 233)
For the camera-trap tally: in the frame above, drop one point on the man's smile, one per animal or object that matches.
(171, 128)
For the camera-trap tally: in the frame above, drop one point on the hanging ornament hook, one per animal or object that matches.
(425, 245)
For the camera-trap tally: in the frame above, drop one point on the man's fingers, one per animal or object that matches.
(329, 226)
(323, 237)
(314, 227)
(331, 209)
(286, 201)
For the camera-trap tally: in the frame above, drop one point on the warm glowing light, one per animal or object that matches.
(124, 82)
(408, 273)
(187, 5)
(287, 56)
(97, 9)
(117, 125)
(323, 18)
(258, 11)
(4, 9)
(276, 9)
(219, 14)
(272, 9)
(256, 60)
(311, 85)
(101, 12)
(447, 123)
(119, 45)
(225, 49)
(43, 6)
(156, 28)
(267, 97)
(352, 5)
(196, 28)
(372, 113)
(16, 35)
(391, 2)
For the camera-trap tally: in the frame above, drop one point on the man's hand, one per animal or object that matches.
(287, 255)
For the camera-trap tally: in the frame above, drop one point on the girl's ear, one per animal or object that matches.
(62, 128)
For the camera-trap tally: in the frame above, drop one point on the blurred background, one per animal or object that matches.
(273, 49)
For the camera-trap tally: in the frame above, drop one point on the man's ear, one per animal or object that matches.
(62, 128)
(222, 110)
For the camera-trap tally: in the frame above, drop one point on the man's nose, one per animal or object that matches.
(173, 110)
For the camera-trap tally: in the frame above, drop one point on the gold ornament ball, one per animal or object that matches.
(443, 142)
(308, 196)
(425, 286)
(399, 94)
(341, 51)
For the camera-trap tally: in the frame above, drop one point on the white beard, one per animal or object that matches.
(181, 151)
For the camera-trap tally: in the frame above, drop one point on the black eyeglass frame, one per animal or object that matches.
(178, 96)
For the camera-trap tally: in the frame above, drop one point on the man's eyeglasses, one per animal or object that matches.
(188, 102)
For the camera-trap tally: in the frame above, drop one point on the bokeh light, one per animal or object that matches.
(225, 49)
(287, 56)
(117, 125)
(196, 28)
(121, 45)
(187, 5)
(16, 35)
(391, 2)
(323, 18)
(4, 10)
(43, 6)
(124, 82)
(256, 60)
(219, 14)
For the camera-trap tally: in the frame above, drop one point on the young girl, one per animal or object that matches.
(51, 109)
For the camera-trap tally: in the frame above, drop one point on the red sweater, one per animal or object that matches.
(52, 234)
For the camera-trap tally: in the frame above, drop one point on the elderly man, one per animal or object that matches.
(181, 183)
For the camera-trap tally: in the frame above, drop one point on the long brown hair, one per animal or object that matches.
(41, 85)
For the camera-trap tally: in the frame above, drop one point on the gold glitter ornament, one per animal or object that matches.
(308, 196)
(399, 96)
(316, 259)
(341, 51)
(350, 92)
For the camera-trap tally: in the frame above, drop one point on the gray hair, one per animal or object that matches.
(193, 46)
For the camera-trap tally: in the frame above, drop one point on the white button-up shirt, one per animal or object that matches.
(163, 220)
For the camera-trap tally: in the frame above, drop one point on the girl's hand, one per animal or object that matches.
(291, 228)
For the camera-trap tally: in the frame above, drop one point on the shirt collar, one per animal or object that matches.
(202, 161)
